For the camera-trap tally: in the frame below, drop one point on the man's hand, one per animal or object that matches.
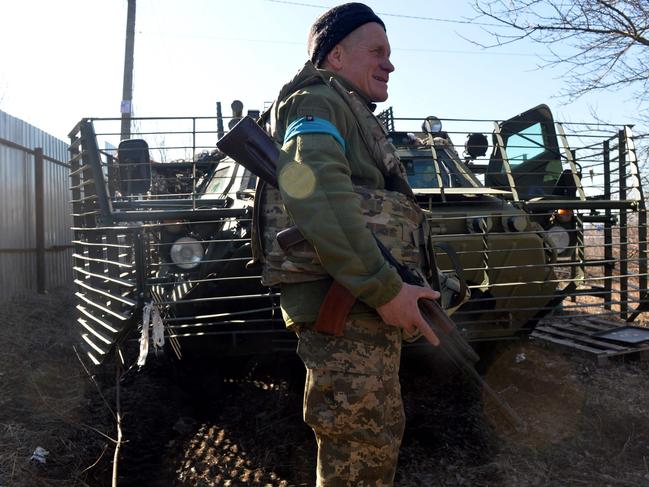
(403, 311)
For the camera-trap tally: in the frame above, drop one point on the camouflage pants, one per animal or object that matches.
(352, 400)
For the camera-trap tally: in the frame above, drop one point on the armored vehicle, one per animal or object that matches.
(546, 223)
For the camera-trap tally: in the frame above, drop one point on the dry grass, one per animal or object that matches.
(594, 276)
(585, 425)
(42, 394)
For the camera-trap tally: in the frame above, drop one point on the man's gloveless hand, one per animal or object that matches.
(403, 311)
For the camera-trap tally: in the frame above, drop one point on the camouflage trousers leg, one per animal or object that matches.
(352, 400)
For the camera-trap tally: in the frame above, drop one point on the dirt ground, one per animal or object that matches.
(241, 423)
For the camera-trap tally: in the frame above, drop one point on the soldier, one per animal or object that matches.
(340, 183)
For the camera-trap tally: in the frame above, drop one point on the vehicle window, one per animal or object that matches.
(525, 145)
(421, 173)
(220, 181)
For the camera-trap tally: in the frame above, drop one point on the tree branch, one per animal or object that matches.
(607, 38)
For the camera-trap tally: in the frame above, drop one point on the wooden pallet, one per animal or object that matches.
(579, 334)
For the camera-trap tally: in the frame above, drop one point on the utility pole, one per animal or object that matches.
(127, 87)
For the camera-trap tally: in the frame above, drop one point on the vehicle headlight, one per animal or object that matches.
(432, 125)
(563, 216)
(515, 223)
(186, 252)
(559, 237)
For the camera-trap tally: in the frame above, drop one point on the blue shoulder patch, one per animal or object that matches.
(313, 125)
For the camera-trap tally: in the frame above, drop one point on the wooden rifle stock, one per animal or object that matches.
(250, 146)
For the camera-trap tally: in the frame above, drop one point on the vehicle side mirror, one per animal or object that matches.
(134, 166)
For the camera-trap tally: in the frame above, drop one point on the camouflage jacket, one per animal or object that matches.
(317, 178)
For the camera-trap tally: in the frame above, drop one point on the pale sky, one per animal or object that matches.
(63, 60)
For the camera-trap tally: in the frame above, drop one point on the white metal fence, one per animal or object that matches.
(35, 235)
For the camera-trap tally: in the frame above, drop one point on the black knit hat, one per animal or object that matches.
(334, 25)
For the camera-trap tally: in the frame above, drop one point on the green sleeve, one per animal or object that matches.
(314, 175)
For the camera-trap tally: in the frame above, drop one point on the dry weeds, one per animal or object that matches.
(42, 394)
(586, 426)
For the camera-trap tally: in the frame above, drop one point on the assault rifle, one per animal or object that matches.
(249, 145)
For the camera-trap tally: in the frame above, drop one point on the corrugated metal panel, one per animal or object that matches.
(17, 209)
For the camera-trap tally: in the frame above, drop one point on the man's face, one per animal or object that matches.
(365, 61)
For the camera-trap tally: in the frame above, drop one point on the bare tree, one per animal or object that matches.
(604, 44)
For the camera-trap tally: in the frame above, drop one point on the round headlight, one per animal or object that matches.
(186, 252)
(515, 223)
(432, 125)
(559, 237)
(476, 145)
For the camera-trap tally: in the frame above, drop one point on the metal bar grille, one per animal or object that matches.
(182, 239)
